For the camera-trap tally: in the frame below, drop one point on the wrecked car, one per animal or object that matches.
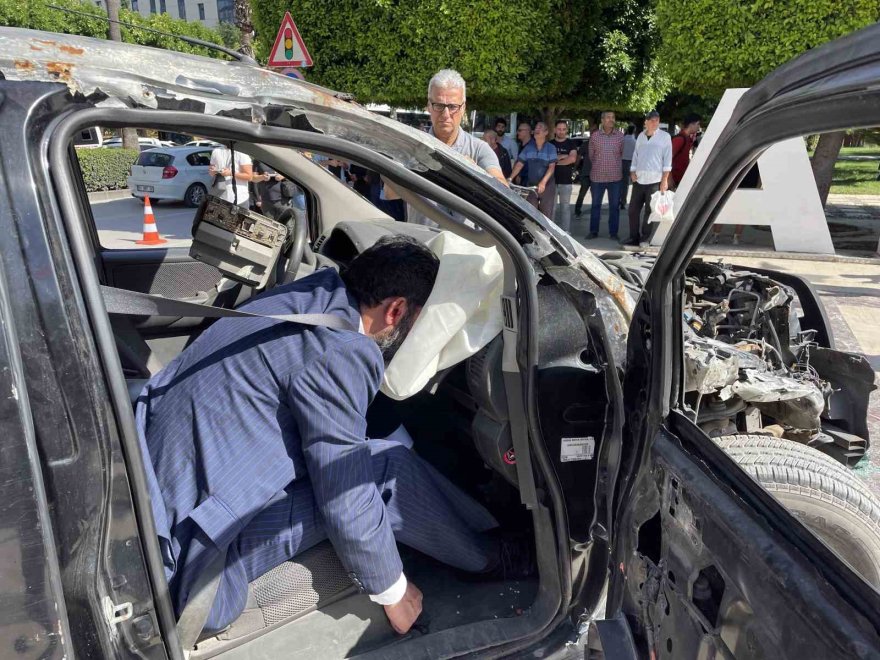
(639, 417)
(759, 358)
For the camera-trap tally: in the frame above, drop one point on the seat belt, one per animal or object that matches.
(201, 599)
(134, 303)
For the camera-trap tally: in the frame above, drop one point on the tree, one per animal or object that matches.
(129, 135)
(711, 45)
(553, 56)
(36, 15)
(229, 34)
(245, 26)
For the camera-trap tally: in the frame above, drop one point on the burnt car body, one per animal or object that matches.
(659, 545)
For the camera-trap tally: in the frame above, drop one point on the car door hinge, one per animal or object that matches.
(114, 613)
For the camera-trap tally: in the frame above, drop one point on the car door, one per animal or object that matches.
(705, 562)
(196, 170)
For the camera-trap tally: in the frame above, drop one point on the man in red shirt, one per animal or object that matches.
(682, 144)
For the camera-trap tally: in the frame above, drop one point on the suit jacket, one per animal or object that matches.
(251, 406)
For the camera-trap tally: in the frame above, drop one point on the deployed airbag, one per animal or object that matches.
(462, 315)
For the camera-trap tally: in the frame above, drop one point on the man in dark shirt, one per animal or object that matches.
(490, 137)
(566, 155)
(361, 179)
(584, 166)
(272, 197)
(523, 137)
(682, 145)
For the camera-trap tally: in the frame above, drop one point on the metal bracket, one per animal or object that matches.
(114, 613)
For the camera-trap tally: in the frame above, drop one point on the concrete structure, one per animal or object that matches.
(207, 12)
(787, 200)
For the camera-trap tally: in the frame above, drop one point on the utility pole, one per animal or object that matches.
(114, 33)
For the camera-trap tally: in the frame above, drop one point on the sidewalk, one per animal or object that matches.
(854, 222)
(108, 195)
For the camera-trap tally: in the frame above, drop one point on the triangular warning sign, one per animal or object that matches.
(289, 49)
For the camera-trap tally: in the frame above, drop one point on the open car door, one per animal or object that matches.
(705, 562)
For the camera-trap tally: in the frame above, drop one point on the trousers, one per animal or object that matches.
(426, 512)
(641, 199)
(624, 185)
(597, 189)
(563, 200)
(546, 203)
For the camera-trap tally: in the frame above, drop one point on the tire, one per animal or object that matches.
(195, 194)
(820, 492)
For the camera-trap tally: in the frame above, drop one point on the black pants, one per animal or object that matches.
(585, 188)
(624, 185)
(641, 199)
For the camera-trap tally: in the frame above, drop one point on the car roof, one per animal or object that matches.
(174, 151)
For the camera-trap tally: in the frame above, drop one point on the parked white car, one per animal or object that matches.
(202, 143)
(144, 143)
(175, 173)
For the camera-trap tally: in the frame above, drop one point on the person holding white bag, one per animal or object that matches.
(649, 172)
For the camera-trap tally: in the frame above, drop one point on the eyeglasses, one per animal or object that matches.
(440, 107)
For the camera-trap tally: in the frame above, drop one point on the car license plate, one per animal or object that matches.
(145, 188)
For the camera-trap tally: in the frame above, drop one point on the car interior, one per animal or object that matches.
(452, 403)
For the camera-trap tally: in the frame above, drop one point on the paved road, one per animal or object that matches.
(120, 223)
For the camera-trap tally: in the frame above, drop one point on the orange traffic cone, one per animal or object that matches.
(151, 232)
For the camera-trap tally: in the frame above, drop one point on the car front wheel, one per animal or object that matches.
(195, 194)
(820, 492)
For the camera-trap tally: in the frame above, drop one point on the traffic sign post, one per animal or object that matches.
(289, 49)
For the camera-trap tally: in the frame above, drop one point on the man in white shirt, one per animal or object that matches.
(649, 172)
(222, 171)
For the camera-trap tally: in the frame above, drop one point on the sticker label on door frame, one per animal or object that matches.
(577, 449)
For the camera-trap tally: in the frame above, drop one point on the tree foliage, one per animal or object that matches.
(711, 45)
(36, 15)
(514, 54)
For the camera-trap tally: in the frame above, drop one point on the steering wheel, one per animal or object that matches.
(295, 219)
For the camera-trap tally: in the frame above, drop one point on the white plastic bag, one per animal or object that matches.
(662, 207)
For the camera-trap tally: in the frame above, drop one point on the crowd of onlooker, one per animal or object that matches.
(627, 165)
(606, 161)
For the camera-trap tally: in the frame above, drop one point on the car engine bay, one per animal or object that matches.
(750, 365)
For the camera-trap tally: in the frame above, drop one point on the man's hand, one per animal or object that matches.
(403, 614)
(633, 177)
(540, 187)
(664, 186)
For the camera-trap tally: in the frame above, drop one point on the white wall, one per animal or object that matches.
(192, 10)
(788, 200)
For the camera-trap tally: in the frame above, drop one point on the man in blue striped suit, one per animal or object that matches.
(256, 438)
